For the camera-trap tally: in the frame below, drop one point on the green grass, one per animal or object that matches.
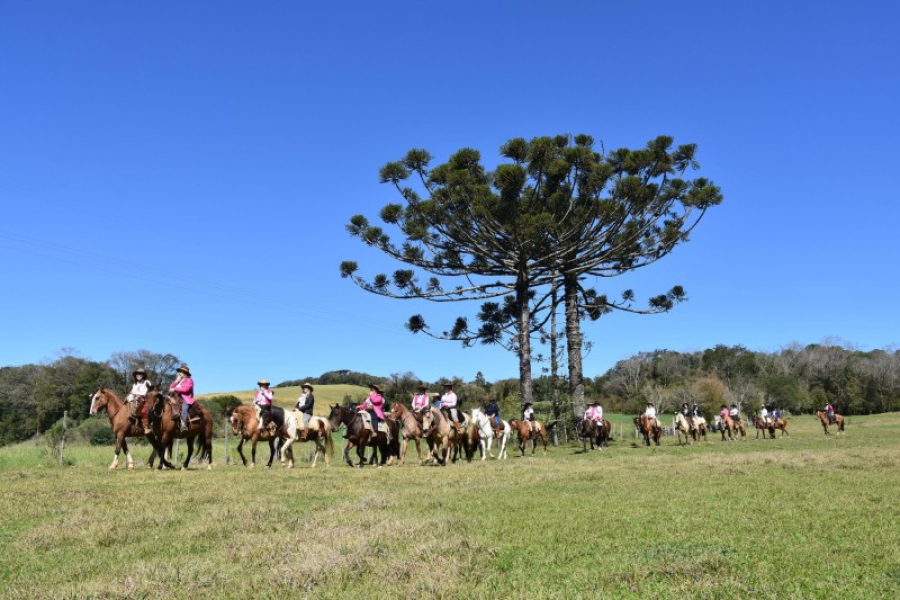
(799, 517)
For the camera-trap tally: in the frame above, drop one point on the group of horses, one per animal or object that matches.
(446, 440)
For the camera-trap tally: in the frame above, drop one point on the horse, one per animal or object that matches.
(588, 430)
(682, 427)
(649, 428)
(526, 434)
(317, 430)
(122, 424)
(699, 429)
(165, 422)
(245, 423)
(469, 440)
(763, 425)
(731, 426)
(838, 420)
(359, 437)
(484, 425)
(781, 423)
(411, 429)
(440, 433)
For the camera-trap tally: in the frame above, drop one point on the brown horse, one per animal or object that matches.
(838, 421)
(121, 421)
(781, 423)
(165, 421)
(762, 426)
(318, 431)
(526, 434)
(649, 428)
(359, 437)
(411, 429)
(588, 431)
(733, 427)
(245, 423)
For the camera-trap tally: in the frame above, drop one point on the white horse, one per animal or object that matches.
(319, 431)
(486, 432)
(682, 427)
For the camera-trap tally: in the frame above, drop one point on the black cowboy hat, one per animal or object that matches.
(139, 371)
(183, 369)
(262, 382)
(422, 387)
(448, 384)
(376, 387)
(724, 406)
(528, 404)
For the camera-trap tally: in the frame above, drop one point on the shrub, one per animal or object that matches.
(102, 437)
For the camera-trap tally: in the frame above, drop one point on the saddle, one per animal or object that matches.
(175, 403)
(367, 423)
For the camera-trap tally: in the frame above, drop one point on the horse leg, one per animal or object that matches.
(240, 449)
(129, 459)
(287, 447)
(253, 441)
(271, 453)
(190, 452)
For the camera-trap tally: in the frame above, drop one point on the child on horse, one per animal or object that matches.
(528, 417)
(136, 396)
(421, 400)
(829, 410)
(183, 386)
(734, 413)
(262, 403)
(688, 417)
(493, 413)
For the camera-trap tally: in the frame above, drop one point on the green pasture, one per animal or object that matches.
(800, 517)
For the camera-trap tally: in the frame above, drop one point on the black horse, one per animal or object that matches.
(593, 433)
(359, 437)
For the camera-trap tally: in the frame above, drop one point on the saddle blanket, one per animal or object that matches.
(367, 422)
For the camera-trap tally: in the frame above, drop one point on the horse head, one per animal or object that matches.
(98, 401)
(335, 416)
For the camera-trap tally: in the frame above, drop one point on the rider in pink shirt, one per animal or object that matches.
(421, 400)
(374, 405)
(184, 387)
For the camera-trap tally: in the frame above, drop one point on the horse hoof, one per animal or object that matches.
(209, 467)
(112, 467)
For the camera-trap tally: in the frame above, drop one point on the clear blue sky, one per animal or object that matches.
(177, 176)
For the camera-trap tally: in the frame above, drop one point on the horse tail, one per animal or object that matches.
(329, 441)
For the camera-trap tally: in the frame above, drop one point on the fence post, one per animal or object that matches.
(62, 439)
(227, 458)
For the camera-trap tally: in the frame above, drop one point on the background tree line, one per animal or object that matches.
(796, 378)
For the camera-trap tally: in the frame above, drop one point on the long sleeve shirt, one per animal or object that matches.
(420, 401)
(264, 397)
(448, 400)
(305, 403)
(185, 389)
(375, 402)
(492, 410)
(140, 388)
(650, 412)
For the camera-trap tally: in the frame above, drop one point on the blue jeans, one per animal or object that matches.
(185, 407)
(497, 421)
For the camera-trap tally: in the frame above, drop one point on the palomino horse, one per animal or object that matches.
(411, 429)
(589, 431)
(526, 434)
(699, 429)
(649, 428)
(733, 427)
(359, 437)
(165, 421)
(318, 430)
(245, 423)
(838, 421)
(683, 428)
(762, 426)
(120, 421)
(485, 429)
(441, 434)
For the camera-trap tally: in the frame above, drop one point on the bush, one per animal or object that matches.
(221, 406)
(102, 437)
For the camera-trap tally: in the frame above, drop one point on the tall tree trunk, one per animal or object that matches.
(525, 382)
(554, 363)
(573, 342)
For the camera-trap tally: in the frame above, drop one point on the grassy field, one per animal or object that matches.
(799, 517)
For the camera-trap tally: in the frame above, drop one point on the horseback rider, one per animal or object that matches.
(696, 412)
(421, 400)
(764, 415)
(262, 403)
(528, 417)
(183, 386)
(137, 395)
(829, 410)
(597, 417)
(688, 417)
(650, 412)
(776, 413)
(449, 403)
(493, 413)
(588, 416)
(304, 405)
(734, 413)
(374, 405)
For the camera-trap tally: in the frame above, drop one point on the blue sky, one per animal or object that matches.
(177, 176)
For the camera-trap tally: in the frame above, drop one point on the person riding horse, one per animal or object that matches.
(829, 411)
(374, 405)
(262, 403)
(420, 401)
(688, 416)
(528, 417)
(449, 402)
(764, 415)
(136, 398)
(183, 386)
(304, 406)
(734, 413)
(492, 411)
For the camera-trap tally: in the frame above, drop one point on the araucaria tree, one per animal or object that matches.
(558, 213)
